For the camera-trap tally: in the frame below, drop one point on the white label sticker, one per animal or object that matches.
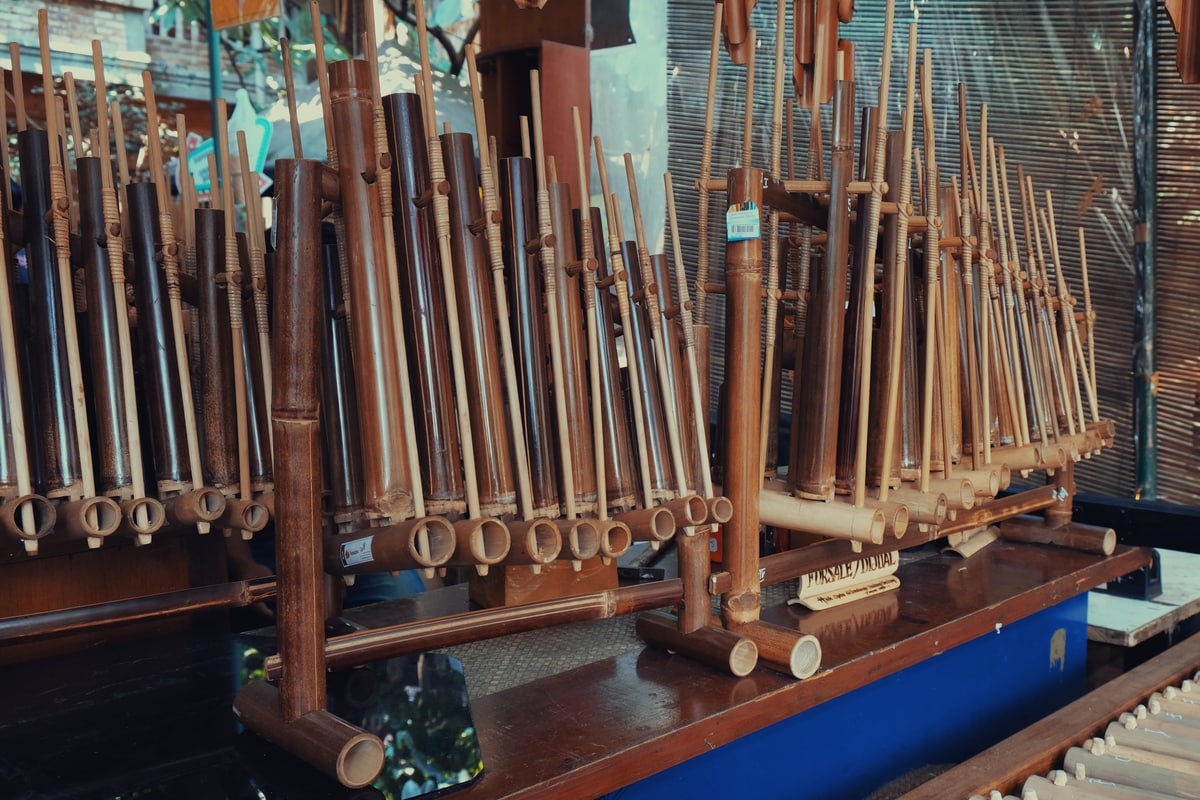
(742, 222)
(357, 552)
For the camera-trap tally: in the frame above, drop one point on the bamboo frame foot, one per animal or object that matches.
(717, 647)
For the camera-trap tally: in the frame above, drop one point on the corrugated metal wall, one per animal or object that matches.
(1177, 336)
(1056, 77)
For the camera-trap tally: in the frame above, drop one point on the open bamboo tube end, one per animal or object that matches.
(897, 521)
(655, 524)
(244, 515)
(534, 541)
(91, 517)
(582, 537)
(720, 510)
(1076, 535)
(787, 651)
(717, 647)
(201, 505)
(482, 542)
(33, 507)
(345, 752)
(616, 538)
(143, 516)
(960, 492)
(689, 509)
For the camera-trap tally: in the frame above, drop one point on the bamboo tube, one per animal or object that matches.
(1014, 372)
(170, 252)
(932, 259)
(295, 405)
(427, 331)
(977, 426)
(717, 647)
(748, 115)
(534, 542)
(676, 369)
(1070, 327)
(617, 449)
(490, 433)
(491, 211)
(836, 520)
(1060, 786)
(344, 752)
(480, 543)
(289, 82)
(823, 341)
(743, 277)
(706, 147)
(619, 285)
(960, 492)
(1057, 404)
(1090, 319)
(257, 246)
(1088, 538)
(787, 651)
(142, 516)
(926, 508)
(371, 645)
(650, 290)
(1113, 768)
(216, 372)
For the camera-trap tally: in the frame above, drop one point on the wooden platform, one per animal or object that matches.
(1126, 622)
(603, 726)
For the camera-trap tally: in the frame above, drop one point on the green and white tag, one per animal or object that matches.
(742, 222)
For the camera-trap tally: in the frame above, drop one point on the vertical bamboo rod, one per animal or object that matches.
(706, 147)
(289, 81)
(1089, 318)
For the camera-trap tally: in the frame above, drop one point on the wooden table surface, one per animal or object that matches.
(602, 726)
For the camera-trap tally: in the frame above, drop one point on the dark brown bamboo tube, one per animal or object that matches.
(519, 230)
(111, 459)
(28, 518)
(572, 327)
(412, 544)
(910, 375)
(480, 543)
(216, 368)
(1088, 538)
(534, 542)
(53, 446)
(344, 752)
(695, 607)
(655, 524)
(620, 470)
(886, 370)
(254, 378)
(859, 305)
(387, 480)
(689, 509)
(343, 448)
(355, 649)
(823, 341)
(45, 625)
(295, 406)
(250, 516)
(425, 321)
(717, 647)
(743, 322)
(662, 478)
(787, 651)
(490, 437)
(160, 373)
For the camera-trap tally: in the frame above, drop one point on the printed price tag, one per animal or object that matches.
(357, 552)
(742, 222)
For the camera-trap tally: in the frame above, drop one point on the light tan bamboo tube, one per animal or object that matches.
(346, 753)
(480, 543)
(1174, 725)
(986, 481)
(748, 114)
(895, 514)
(289, 83)
(1183, 747)
(1135, 755)
(960, 492)
(702, 184)
(653, 524)
(1173, 703)
(1076, 535)
(256, 247)
(1016, 378)
(1063, 787)
(1072, 400)
(1074, 346)
(1090, 319)
(689, 509)
(716, 647)
(932, 259)
(32, 507)
(836, 520)
(923, 507)
(1128, 773)
(720, 510)
(783, 650)
(420, 542)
